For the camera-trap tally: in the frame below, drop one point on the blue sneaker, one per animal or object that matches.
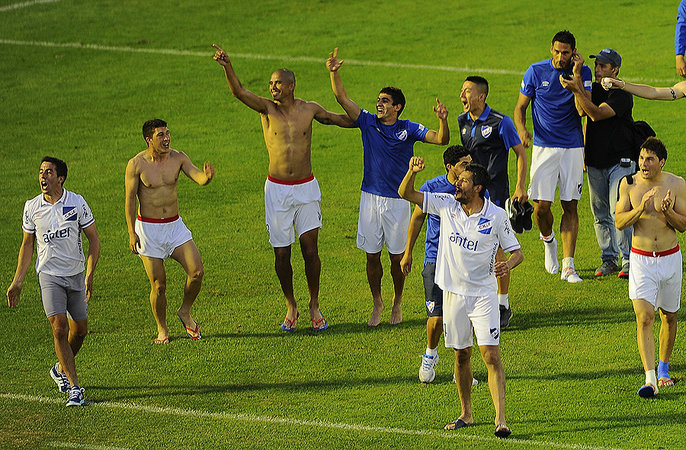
(76, 397)
(60, 379)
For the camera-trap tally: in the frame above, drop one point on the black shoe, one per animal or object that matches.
(528, 209)
(514, 212)
(505, 316)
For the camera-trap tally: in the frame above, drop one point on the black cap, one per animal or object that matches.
(609, 56)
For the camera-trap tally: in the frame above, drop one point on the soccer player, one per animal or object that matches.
(157, 232)
(488, 135)
(472, 228)
(388, 144)
(455, 159)
(680, 39)
(54, 221)
(291, 193)
(558, 148)
(608, 154)
(654, 202)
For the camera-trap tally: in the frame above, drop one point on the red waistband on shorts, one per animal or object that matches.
(276, 180)
(151, 220)
(671, 251)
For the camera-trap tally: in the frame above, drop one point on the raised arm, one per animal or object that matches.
(91, 233)
(23, 263)
(442, 136)
(350, 107)
(583, 102)
(325, 117)
(202, 177)
(674, 206)
(251, 100)
(643, 90)
(406, 189)
(519, 118)
(131, 180)
(416, 222)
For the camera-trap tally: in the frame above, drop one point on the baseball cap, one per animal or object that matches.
(609, 56)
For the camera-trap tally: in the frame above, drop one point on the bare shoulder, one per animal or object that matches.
(310, 106)
(675, 181)
(135, 162)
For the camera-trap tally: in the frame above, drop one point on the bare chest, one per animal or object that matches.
(159, 174)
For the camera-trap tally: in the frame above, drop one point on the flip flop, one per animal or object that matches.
(647, 391)
(459, 423)
(161, 341)
(502, 431)
(197, 333)
(289, 325)
(665, 382)
(318, 326)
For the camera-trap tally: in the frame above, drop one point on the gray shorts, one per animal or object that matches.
(64, 295)
(433, 294)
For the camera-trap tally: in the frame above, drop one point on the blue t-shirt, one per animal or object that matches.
(387, 152)
(556, 121)
(438, 185)
(680, 29)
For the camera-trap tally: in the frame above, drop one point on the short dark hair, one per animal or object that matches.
(60, 166)
(565, 37)
(397, 96)
(479, 81)
(655, 145)
(480, 177)
(453, 154)
(288, 74)
(150, 125)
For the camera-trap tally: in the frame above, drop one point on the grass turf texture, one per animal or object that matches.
(570, 354)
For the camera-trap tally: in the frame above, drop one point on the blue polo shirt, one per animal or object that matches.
(387, 152)
(556, 120)
(489, 139)
(680, 29)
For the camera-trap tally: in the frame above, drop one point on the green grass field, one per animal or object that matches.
(79, 78)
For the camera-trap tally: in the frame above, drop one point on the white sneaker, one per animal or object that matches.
(76, 397)
(551, 264)
(426, 370)
(60, 379)
(474, 381)
(570, 275)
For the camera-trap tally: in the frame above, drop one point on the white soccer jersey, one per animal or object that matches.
(58, 232)
(467, 244)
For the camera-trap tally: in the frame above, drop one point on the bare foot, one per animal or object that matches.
(375, 319)
(396, 314)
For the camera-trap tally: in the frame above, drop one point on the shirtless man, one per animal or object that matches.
(158, 232)
(291, 193)
(654, 202)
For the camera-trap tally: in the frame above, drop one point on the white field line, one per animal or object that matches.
(300, 423)
(25, 4)
(83, 446)
(208, 55)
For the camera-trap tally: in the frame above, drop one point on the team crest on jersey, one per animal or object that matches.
(69, 213)
(486, 131)
(485, 226)
(545, 83)
(430, 306)
(402, 135)
(495, 333)
(464, 130)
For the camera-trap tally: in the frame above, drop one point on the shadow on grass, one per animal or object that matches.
(571, 316)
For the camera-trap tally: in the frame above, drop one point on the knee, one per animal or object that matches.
(81, 329)
(196, 275)
(645, 320)
(491, 358)
(159, 287)
(60, 329)
(462, 357)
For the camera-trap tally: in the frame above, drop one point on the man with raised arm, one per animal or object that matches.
(654, 202)
(291, 193)
(645, 91)
(54, 220)
(388, 144)
(472, 229)
(557, 156)
(157, 232)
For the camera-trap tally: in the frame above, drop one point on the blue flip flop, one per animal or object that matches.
(289, 325)
(647, 391)
(189, 330)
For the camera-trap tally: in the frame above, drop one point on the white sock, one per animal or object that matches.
(547, 239)
(650, 377)
(568, 262)
(432, 351)
(504, 300)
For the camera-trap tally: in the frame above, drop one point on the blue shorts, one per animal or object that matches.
(433, 295)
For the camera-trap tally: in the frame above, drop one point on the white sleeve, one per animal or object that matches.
(506, 236)
(85, 215)
(27, 223)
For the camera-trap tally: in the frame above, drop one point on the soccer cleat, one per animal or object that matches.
(606, 268)
(624, 273)
(551, 264)
(426, 370)
(505, 316)
(515, 213)
(76, 397)
(60, 379)
(570, 275)
(527, 211)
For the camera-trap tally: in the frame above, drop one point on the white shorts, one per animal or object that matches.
(288, 204)
(382, 219)
(656, 279)
(551, 166)
(465, 315)
(160, 237)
